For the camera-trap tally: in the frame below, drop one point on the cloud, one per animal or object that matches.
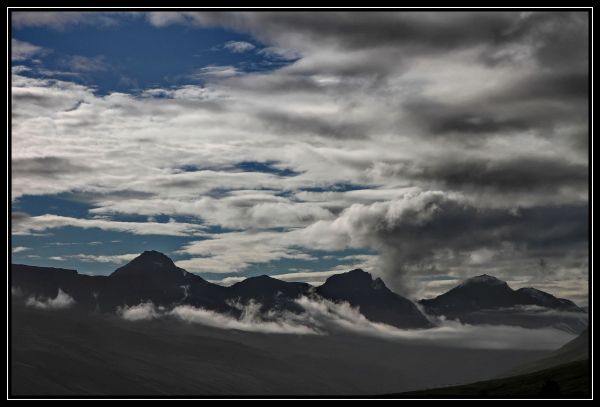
(22, 50)
(250, 320)
(141, 312)
(20, 249)
(428, 138)
(61, 20)
(238, 47)
(279, 53)
(227, 281)
(61, 301)
(323, 317)
(216, 72)
(447, 226)
(31, 224)
(235, 251)
(79, 63)
(117, 258)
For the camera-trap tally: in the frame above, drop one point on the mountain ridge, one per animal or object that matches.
(153, 276)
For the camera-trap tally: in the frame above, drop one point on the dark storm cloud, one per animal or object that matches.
(423, 231)
(351, 30)
(555, 35)
(441, 119)
(539, 102)
(458, 226)
(537, 232)
(560, 86)
(521, 174)
(558, 39)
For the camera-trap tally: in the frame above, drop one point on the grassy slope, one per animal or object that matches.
(577, 349)
(572, 379)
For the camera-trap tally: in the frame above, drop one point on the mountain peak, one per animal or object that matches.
(484, 279)
(155, 256)
(149, 262)
(356, 278)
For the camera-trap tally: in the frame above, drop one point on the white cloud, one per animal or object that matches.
(141, 312)
(117, 258)
(22, 50)
(79, 63)
(40, 223)
(322, 317)
(250, 320)
(227, 281)
(238, 46)
(20, 249)
(279, 53)
(61, 301)
(216, 71)
(60, 20)
(234, 251)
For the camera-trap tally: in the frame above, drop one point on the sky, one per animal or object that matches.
(423, 147)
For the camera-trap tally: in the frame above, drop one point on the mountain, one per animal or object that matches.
(151, 265)
(533, 296)
(575, 350)
(488, 292)
(152, 276)
(269, 292)
(375, 301)
(46, 281)
(486, 299)
(481, 292)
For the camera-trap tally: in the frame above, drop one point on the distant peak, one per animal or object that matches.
(259, 279)
(147, 262)
(356, 277)
(358, 272)
(155, 257)
(483, 279)
(153, 253)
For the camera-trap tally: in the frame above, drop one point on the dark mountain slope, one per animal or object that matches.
(269, 292)
(487, 300)
(376, 302)
(488, 292)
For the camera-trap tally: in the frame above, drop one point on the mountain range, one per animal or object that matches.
(488, 300)
(153, 277)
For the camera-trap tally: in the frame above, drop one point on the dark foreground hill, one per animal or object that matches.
(571, 380)
(575, 350)
(72, 352)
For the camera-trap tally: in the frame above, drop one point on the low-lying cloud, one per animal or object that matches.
(323, 317)
(61, 301)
